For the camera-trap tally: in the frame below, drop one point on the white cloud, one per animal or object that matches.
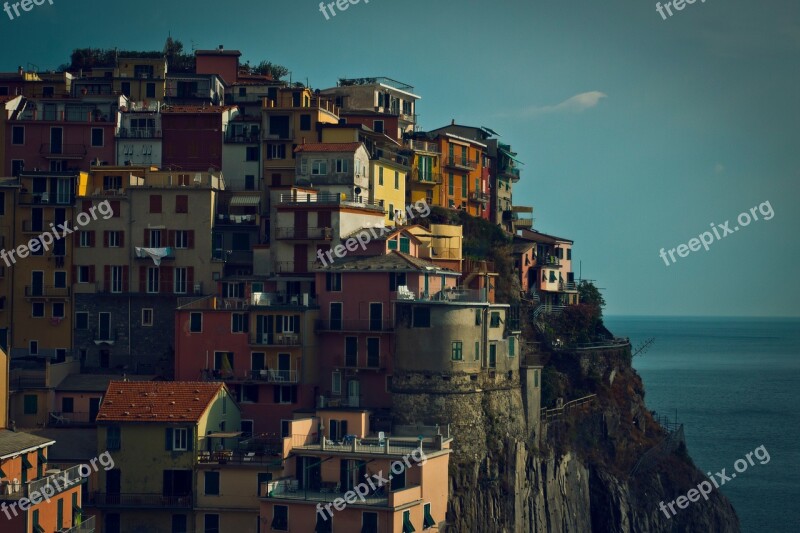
(575, 104)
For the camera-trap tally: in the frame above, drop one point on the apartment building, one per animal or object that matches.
(9, 191)
(194, 135)
(139, 134)
(141, 78)
(545, 265)
(425, 179)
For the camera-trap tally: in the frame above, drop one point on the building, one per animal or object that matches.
(546, 269)
(9, 192)
(193, 136)
(9, 107)
(139, 135)
(425, 179)
(330, 453)
(334, 168)
(25, 475)
(157, 433)
(141, 79)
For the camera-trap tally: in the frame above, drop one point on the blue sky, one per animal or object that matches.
(637, 132)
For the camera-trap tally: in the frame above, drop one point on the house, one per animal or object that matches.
(550, 280)
(193, 135)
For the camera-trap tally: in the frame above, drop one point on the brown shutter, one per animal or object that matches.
(125, 280)
(190, 239)
(105, 239)
(91, 274)
(165, 273)
(107, 278)
(86, 205)
(122, 240)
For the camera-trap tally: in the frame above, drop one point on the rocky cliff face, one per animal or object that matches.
(572, 474)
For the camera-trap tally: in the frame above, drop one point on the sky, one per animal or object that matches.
(637, 132)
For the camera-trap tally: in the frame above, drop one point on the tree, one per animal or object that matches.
(589, 294)
(267, 68)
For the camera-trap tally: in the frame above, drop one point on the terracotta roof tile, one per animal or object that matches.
(328, 147)
(157, 401)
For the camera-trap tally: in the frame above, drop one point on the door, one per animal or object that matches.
(376, 317)
(285, 366)
(266, 328)
(113, 486)
(301, 257)
(94, 408)
(37, 283)
(336, 316)
(353, 393)
(301, 224)
(56, 141)
(492, 356)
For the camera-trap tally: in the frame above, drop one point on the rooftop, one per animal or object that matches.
(157, 401)
(14, 442)
(392, 262)
(195, 109)
(328, 147)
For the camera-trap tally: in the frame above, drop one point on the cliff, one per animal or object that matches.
(573, 474)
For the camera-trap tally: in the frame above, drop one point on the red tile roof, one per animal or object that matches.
(328, 147)
(157, 401)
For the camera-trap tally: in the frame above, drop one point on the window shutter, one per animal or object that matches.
(125, 280)
(146, 239)
(121, 239)
(107, 278)
(91, 239)
(105, 239)
(165, 273)
(91, 274)
(142, 279)
(296, 322)
(190, 243)
(279, 320)
(168, 439)
(190, 280)
(276, 394)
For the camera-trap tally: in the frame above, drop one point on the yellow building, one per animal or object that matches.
(9, 189)
(141, 79)
(425, 178)
(289, 120)
(157, 433)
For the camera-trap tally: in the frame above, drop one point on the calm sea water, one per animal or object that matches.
(735, 384)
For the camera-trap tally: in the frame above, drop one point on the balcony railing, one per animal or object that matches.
(364, 325)
(225, 219)
(567, 286)
(46, 198)
(424, 146)
(86, 526)
(509, 173)
(460, 163)
(242, 138)
(56, 483)
(138, 133)
(426, 177)
(329, 199)
(239, 457)
(478, 197)
(141, 500)
(305, 234)
(63, 151)
(268, 375)
(548, 261)
(78, 418)
(293, 267)
(34, 291)
(276, 339)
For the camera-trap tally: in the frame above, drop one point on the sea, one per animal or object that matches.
(734, 383)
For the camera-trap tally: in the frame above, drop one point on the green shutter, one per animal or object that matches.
(60, 513)
(189, 439)
(168, 439)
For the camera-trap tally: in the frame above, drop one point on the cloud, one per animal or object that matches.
(575, 104)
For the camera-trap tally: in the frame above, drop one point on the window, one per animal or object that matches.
(511, 346)
(178, 439)
(33, 347)
(31, 405)
(181, 203)
(305, 122)
(249, 393)
(211, 523)
(251, 153)
(18, 135)
(427, 520)
(58, 310)
(114, 239)
(223, 361)
(391, 211)
(319, 168)
(495, 320)
(380, 176)
(150, 90)
(97, 136)
(116, 273)
(276, 151)
(179, 283)
(405, 245)
(85, 239)
(396, 279)
(155, 235)
(67, 405)
(263, 477)
(152, 280)
(280, 518)
(238, 323)
(147, 317)
(113, 438)
(37, 309)
(258, 361)
(373, 352)
(17, 166)
(342, 166)
(351, 351)
(569, 254)
(450, 184)
(285, 394)
(155, 203)
(2, 203)
(211, 483)
(104, 326)
(195, 322)
(396, 180)
(333, 282)
(336, 383)
(82, 320)
(377, 126)
(422, 317)
(181, 238)
(369, 522)
(456, 351)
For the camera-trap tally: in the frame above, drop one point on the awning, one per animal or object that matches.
(223, 435)
(408, 527)
(245, 201)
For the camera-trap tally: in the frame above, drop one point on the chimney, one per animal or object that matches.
(221, 48)
(20, 70)
(453, 122)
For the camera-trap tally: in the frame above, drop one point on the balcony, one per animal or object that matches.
(287, 489)
(292, 267)
(305, 234)
(241, 457)
(460, 163)
(343, 200)
(170, 252)
(74, 419)
(132, 500)
(38, 291)
(521, 222)
(279, 299)
(357, 326)
(433, 178)
(86, 526)
(478, 198)
(567, 286)
(57, 482)
(243, 138)
(45, 198)
(276, 339)
(548, 261)
(267, 375)
(236, 220)
(138, 133)
(424, 146)
(508, 172)
(63, 151)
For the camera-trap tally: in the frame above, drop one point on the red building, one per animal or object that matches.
(193, 136)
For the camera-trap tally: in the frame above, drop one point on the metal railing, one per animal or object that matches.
(77, 151)
(142, 500)
(299, 234)
(86, 526)
(479, 197)
(460, 163)
(59, 418)
(138, 133)
(433, 178)
(329, 199)
(239, 457)
(276, 339)
(557, 413)
(32, 291)
(57, 482)
(294, 267)
(241, 138)
(424, 146)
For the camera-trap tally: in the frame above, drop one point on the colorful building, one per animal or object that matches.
(193, 136)
(546, 269)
